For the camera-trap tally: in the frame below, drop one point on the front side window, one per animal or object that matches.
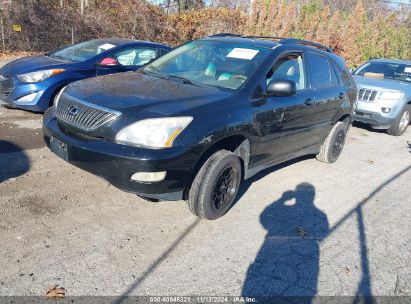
(219, 64)
(290, 67)
(387, 70)
(82, 51)
(135, 56)
(322, 72)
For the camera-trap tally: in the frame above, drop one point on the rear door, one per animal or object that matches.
(128, 59)
(327, 91)
(285, 123)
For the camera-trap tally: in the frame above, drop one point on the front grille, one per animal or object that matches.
(83, 115)
(6, 86)
(366, 95)
(4, 93)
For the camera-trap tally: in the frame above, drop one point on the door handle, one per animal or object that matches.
(309, 102)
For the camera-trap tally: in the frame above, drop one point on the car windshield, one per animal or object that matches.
(396, 71)
(82, 51)
(219, 64)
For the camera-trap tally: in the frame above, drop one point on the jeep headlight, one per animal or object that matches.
(391, 95)
(38, 76)
(153, 132)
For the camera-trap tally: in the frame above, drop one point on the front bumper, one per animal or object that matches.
(371, 113)
(117, 163)
(40, 103)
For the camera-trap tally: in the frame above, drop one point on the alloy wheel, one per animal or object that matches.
(225, 188)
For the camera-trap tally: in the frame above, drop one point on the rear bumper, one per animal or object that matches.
(117, 163)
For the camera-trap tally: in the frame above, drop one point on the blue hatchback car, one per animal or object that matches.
(31, 83)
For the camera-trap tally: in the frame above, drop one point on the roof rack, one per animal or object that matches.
(281, 40)
(308, 43)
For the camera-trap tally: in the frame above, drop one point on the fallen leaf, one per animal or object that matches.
(371, 162)
(347, 270)
(56, 292)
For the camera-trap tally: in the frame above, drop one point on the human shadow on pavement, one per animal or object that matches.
(13, 161)
(287, 263)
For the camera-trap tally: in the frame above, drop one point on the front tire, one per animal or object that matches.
(333, 144)
(400, 123)
(215, 186)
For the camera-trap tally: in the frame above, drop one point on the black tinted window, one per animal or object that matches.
(322, 72)
(342, 76)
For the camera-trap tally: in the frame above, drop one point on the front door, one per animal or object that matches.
(285, 123)
(128, 59)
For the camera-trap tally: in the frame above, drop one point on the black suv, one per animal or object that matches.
(197, 121)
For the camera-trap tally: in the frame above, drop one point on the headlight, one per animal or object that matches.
(39, 75)
(153, 132)
(387, 95)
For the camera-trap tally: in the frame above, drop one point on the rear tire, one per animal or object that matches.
(401, 122)
(215, 186)
(333, 144)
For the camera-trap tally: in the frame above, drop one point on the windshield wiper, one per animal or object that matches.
(185, 80)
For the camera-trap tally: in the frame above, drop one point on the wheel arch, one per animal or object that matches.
(55, 91)
(238, 144)
(346, 118)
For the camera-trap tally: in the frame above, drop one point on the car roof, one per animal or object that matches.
(391, 61)
(123, 41)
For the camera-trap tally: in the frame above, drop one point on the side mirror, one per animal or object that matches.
(281, 88)
(108, 62)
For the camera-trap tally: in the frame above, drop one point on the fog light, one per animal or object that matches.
(148, 177)
(28, 98)
(386, 110)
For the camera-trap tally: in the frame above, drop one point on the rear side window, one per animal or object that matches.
(342, 76)
(322, 72)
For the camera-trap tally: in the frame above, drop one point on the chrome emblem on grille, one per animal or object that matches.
(73, 110)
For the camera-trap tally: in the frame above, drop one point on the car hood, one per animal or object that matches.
(31, 64)
(382, 84)
(132, 92)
